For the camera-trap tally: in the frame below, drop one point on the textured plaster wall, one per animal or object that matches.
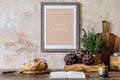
(20, 26)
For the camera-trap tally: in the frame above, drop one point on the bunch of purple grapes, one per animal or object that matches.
(79, 53)
(70, 58)
(78, 56)
(87, 59)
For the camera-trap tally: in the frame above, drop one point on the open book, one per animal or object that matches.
(69, 74)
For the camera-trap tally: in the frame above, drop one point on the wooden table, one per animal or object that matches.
(113, 75)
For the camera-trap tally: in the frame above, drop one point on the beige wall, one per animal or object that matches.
(20, 28)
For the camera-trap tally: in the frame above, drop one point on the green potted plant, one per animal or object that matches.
(93, 44)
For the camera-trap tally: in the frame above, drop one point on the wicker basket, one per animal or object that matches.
(97, 58)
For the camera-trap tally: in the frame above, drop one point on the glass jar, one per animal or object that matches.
(103, 71)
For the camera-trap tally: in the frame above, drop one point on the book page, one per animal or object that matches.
(75, 74)
(59, 74)
(69, 74)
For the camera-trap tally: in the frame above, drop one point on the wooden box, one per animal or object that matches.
(115, 62)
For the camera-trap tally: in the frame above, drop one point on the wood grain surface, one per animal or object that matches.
(114, 75)
(82, 67)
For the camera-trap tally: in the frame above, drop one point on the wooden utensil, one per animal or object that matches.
(111, 43)
(111, 40)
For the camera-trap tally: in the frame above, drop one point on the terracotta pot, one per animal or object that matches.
(97, 58)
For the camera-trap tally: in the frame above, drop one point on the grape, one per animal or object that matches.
(87, 59)
(79, 53)
(70, 58)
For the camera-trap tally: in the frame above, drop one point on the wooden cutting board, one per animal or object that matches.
(36, 72)
(111, 40)
(82, 67)
(111, 43)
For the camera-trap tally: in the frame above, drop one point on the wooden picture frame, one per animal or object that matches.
(59, 26)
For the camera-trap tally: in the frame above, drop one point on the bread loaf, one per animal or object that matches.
(35, 65)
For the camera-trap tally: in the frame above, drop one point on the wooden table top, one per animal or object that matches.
(113, 75)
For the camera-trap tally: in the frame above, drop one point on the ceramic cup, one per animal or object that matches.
(103, 71)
